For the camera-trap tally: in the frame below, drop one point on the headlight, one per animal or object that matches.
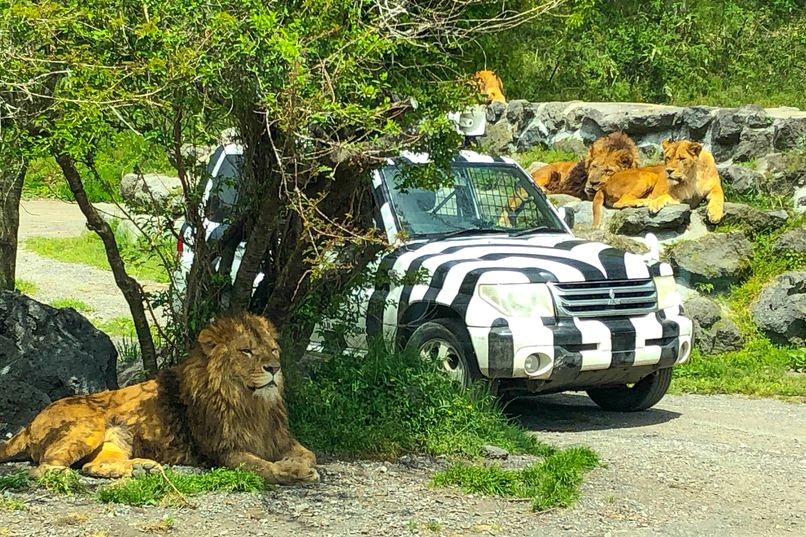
(519, 299)
(667, 292)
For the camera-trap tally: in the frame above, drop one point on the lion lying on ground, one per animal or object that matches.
(688, 176)
(222, 407)
(606, 156)
(490, 84)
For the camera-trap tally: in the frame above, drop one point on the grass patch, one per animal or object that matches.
(74, 303)
(760, 368)
(116, 326)
(25, 287)
(551, 483)
(65, 482)
(17, 481)
(385, 404)
(11, 504)
(540, 153)
(87, 249)
(153, 489)
(128, 348)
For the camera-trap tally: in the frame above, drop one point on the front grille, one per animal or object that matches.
(618, 298)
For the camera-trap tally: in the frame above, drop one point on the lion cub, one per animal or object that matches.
(223, 406)
(689, 176)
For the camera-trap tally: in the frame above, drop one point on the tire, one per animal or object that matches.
(449, 337)
(642, 395)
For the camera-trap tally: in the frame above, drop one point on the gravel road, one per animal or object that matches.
(694, 466)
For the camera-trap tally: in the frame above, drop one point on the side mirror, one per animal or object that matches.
(567, 216)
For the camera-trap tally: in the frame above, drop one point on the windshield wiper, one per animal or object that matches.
(536, 229)
(472, 231)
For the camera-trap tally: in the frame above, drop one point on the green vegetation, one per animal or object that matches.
(11, 504)
(87, 249)
(543, 154)
(121, 154)
(64, 482)
(25, 287)
(156, 489)
(74, 303)
(554, 482)
(16, 481)
(711, 52)
(386, 404)
(760, 368)
(116, 326)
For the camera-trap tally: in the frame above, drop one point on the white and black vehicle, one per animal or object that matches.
(524, 304)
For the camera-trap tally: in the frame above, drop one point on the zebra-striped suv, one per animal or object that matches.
(502, 291)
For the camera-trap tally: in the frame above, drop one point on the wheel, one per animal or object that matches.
(445, 341)
(642, 395)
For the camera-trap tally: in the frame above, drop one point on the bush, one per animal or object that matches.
(385, 404)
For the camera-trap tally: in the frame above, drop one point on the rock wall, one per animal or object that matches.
(766, 136)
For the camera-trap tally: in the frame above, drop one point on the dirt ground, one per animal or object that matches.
(693, 466)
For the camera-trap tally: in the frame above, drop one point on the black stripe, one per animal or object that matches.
(668, 354)
(462, 298)
(614, 263)
(567, 365)
(569, 245)
(500, 350)
(622, 341)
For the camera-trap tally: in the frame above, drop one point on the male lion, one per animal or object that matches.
(689, 176)
(490, 84)
(223, 406)
(606, 156)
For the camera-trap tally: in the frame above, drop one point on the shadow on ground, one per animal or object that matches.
(576, 412)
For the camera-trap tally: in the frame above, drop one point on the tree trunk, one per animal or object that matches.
(132, 291)
(11, 177)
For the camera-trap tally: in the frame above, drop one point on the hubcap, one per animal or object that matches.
(444, 354)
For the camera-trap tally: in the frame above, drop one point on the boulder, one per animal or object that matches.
(152, 193)
(20, 402)
(741, 179)
(780, 310)
(520, 113)
(695, 120)
(753, 143)
(628, 244)
(638, 220)
(713, 333)
(783, 173)
(570, 145)
(497, 137)
(793, 241)
(789, 133)
(749, 218)
(583, 212)
(753, 116)
(718, 259)
(727, 127)
(55, 352)
(495, 111)
(799, 200)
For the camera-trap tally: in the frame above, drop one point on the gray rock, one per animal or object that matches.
(497, 136)
(495, 452)
(783, 173)
(636, 118)
(793, 241)
(753, 116)
(789, 133)
(780, 310)
(753, 143)
(57, 352)
(534, 134)
(561, 200)
(799, 200)
(519, 113)
(697, 119)
(703, 311)
(570, 144)
(495, 111)
(20, 402)
(719, 259)
(724, 336)
(740, 178)
(650, 153)
(751, 219)
(638, 221)
(152, 193)
(627, 244)
(583, 214)
(726, 127)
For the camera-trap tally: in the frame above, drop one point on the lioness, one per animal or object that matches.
(223, 406)
(689, 175)
(490, 84)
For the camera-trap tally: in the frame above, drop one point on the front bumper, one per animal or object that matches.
(568, 350)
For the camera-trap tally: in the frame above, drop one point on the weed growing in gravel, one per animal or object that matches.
(25, 287)
(385, 404)
(153, 489)
(17, 481)
(74, 303)
(62, 482)
(11, 504)
(554, 482)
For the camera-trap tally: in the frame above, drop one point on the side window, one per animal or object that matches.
(224, 191)
(502, 199)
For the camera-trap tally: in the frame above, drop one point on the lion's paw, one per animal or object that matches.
(142, 467)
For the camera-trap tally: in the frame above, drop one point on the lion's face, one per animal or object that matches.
(603, 164)
(681, 160)
(247, 353)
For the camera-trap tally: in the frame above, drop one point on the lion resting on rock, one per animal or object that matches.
(688, 175)
(223, 406)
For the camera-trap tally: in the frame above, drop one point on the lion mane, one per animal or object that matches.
(223, 406)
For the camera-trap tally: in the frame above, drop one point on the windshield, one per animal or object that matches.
(483, 197)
